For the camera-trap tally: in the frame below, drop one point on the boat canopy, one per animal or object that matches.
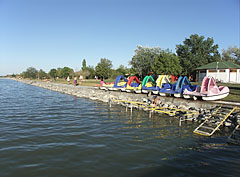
(131, 79)
(131, 85)
(204, 86)
(208, 84)
(212, 85)
(118, 79)
(162, 79)
(185, 82)
(178, 84)
(146, 79)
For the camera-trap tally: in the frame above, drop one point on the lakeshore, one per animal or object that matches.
(94, 93)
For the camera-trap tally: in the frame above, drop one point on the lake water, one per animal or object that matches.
(46, 133)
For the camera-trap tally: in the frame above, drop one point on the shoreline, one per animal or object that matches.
(94, 93)
(185, 110)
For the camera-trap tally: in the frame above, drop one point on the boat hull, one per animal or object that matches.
(194, 97)
(111, 88)
(177, 95)
(103, 88)
(123, 89)
(131, 91)
(138, 91)
(215, 97)
(145, 91)
(187, 96)
(164, 94)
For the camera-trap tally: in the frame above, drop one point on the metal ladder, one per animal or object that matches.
(234, 138)
(211, 125)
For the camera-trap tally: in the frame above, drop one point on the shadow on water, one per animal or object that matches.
(196, 156)
(203, 160)
(205, 157)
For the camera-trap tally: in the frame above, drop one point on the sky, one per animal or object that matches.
(47, 34)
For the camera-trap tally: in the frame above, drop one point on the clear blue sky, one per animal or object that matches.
(49, 34)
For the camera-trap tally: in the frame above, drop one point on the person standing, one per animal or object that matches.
(75, 81)
(102, 82)
(155, 100)
(68, 79)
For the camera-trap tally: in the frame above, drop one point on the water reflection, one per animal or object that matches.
(159, 126)
(46, 133)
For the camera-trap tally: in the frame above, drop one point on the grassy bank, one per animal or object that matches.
(87, 82)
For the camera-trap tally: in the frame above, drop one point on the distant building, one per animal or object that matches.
(224, 71)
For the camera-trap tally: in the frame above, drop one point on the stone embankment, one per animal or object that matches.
(94, 93)
(203, 107)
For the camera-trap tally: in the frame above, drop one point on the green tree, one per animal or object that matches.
(84, 65)
(88, 73)
(196, 52)
(65, 72)
(42, 74)
(31, 72)
(122, 70)
(103, 69)
(91, 72)
(166, 63)
(143, 59)
(59, 72)
(53, 73)
(114, 74)
(231, 54)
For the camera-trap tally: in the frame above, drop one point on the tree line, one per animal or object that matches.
(194, 52)
(102, 70)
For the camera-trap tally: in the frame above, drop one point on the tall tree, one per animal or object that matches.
(196, 52)
(91, 72)
(143, 58)
(42, 74)
(31, 72)
(65, 72)
(231, 54)
(84, 65)
(166, 63)
(88, 73)
(103, 69)
(122, 70)
(53, 73)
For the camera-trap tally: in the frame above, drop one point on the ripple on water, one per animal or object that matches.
(46, 133)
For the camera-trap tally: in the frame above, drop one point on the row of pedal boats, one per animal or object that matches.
(163, 87)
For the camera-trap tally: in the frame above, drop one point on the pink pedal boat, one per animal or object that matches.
(208, 90)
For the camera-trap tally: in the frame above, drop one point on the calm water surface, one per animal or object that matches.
(46, 133)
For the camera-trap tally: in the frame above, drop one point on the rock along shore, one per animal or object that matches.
(204, 108)
(94, 93)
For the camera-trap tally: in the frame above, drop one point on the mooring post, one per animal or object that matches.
(126, 107)
(180, 122)
(131, 109)
(109, 101)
